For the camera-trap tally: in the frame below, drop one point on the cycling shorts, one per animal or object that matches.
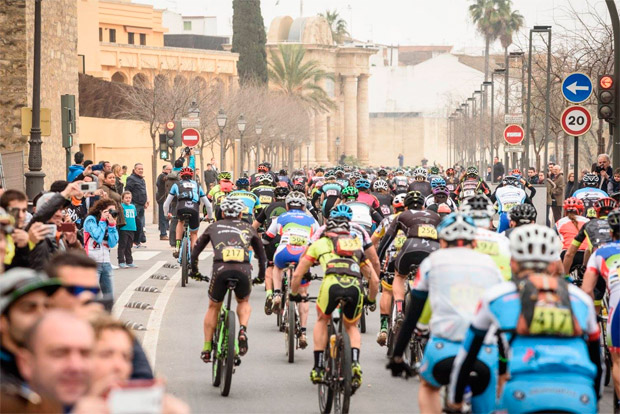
(286, 254)
(270, 250)
(335, 287)
(551, 392)
(413, 252)
(241, 272)
(613, 323)
(436, 367)
(185, 207)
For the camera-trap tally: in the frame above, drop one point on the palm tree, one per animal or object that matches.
(511, 22)
(289, 74)
(336, 24)
(487, 17)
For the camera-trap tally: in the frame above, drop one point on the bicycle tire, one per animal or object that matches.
(228, 361)
(290, 332)
(184, 263)
(608, 367)
(216, 369)
(326, 390)
(343, 395)
(390, 332)
(363, 320)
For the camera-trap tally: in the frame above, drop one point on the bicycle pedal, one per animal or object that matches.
(237, 361)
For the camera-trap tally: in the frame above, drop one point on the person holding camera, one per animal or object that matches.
(603, 169)
(101, 235)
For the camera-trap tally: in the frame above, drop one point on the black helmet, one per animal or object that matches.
(414, 200)
(613, 218)
(280, 193)
(523, 214)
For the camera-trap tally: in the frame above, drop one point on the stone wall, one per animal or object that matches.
(59, 73)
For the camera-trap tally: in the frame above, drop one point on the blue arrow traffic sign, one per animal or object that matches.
(577, 87)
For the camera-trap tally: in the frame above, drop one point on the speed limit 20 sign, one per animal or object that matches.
(576, 120)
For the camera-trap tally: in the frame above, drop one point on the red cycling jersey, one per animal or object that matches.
(567, 230)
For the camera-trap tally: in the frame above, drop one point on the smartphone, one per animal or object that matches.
(51, 231)
(136, 397)
(96, 167)
(66, 227)
(88, 187)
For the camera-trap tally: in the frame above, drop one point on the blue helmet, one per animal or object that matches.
(362, 183)
(438, 182)
(341, 210)
(242, 182)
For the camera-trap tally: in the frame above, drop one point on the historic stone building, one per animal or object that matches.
(348, 123)
(59, 75)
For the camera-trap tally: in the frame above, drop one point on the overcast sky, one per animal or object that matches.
(405, 22)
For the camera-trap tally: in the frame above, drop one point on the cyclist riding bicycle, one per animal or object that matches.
(381, 190)
(471, 184)
(231, 239)
(555, 359)
(363, 215)
(589, 193)
(507, 196)
(420, 183)
(363, 187)
(264, 190)
(451, 181)
(453, 279)
(434, 173)
(524, 184)
(341, 256)
(220, 191)
(189, 195)
(569, 225)
(441, 195)
(263, 168)
(330, 193)
(249, 199)
(520, 215)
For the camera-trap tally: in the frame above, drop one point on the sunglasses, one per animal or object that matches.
(76, 290)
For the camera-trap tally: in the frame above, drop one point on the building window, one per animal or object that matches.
(187, 26)
(112, 35)
(143, 39)
(100, 34)
(130, 38)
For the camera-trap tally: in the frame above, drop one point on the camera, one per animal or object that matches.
(187, 150)
(90, 187)
(598, 169)
(114, 213)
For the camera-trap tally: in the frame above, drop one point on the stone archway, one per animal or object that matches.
(161, 82)
(140, 80)
(119, 77)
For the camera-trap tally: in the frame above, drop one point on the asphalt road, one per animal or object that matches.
(171, 333)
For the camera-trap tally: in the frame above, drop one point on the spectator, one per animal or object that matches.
(557, 192)
(118, 183)
(210, 177)
(489, 175)
(124, 174)
(101, 235)
(126, 233)
(614, 183)
(57, 359)
(532, 177)
(160, 197)
(50, 207)
(77, 168)
(550, 169)
(498, 169)
(541, 178)
(571, 185)
(137, 186)
(109, 187)
(603, 170)
(77, 212)
(172, 179)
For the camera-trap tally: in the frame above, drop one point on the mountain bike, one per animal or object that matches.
(226, 348)
(280, 313)
(185, 255)
(291, 325)
(393, 326)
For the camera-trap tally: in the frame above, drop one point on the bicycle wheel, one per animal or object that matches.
(228, 359)
(343, 392)
(391, 338)
(216, 369)
(326, 390)
(290, 332)
(184, 262)
(363, 320)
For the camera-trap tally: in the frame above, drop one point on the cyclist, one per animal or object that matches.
(441, 195)
(454, 279)
(343, 261)
(330, 193)
(264, 190)
(555, 359)
(249, 199)
(451, 181)
(604, 263)
(520, 215)
(524, 184)
(254, 178)
(364, 196)
(589, 193)
(387, 271)
(295, 228)
(362, 214)
(220, 191)
(340, 177)
(569, 225)
(507, 196)
(471, 184)
(381, 190)
(231, 239)
(420, 183)
(420, 228)
(434, 173)
(189, 195)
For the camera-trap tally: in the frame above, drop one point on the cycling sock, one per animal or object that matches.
(355, 355)
(318, 359)
(243, 328)
(399, 306)
(178, 243)
(384, 321)
(276, 291)
(206, 346)
(268, 293)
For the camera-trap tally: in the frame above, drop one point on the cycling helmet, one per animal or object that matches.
(574, 205)
(265, 179)
(400, 171)
(414, 200)
(330, 175)
(479, 208)
(438, 181)
(443, 209)
(380, 185)
(523, 214)
(472, 171)
(457, 226)
(420, 172)
(266, 164)
(337, 225)
(382, 172)
(362, 183)
(516, 173)
(341, 210)
(590, 180)
(511, 181)
(534, 246)
(613, 218)
(296, 199)
(232, 207)
(349, 192)
(299, 187)
(186, 172)
(450, 171)
(280, 193)
(356, 175)
(604, 205)
(224, 175)
(242, 183)
(434, 170)
(441, 189)
(399, 200)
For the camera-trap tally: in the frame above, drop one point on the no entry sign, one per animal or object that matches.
(576, 120)
(190, 137)
(513, 134)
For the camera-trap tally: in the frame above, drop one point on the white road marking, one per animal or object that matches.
(124, 297)
(205, 255)
(151, 336)
(145, 255)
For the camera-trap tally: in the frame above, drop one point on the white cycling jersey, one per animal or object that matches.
(508, 197)
(455, 279)
(430, 200)
(361, 214)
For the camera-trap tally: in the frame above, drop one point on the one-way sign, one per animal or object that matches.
(577, 87)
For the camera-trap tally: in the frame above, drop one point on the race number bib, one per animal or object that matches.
(265, 199)
(385, 210)
(508, 206)
(233, 254)
(331, 193)
(551, 321)
(427, 231)
(296, 240)
(399, 241)
(487, 247)
(349, 245)
(469, 193)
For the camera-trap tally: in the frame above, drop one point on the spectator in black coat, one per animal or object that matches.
(498, 169)
(136, 185)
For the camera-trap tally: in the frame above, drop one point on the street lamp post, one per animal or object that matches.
(459, 118)
(221, 123)
(259, 130)
(241, 123)
(492, 137)
(337, 149)
(473, 123)
(485, 88)
(35, 177)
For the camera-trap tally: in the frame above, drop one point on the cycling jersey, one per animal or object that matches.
(470, 187)
(368, 199)
(251, 203)
(331, 192)
(596, 232)
(217, 193)
(568, 230)
(264, 194)
(451, 184)
(364, 215)
(589, 195)
(385, 203)
(415, 224)
(399, 184)
(399, 240)
(343, 182)
(322, 251)
(356, 230)
(603, 262)
(507, 197)
(295, 227)
(189, 195)
(254, 178)
(424, 187)
(187, 190)
(496, 246)
(268, 214)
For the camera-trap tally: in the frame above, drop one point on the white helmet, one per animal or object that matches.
(479, 208)
(380, 185)
(296, 199)
(457, 226)
(232, 207)
(534, 246)
(420, 171)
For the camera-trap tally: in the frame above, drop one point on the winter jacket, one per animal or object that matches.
(137, 187)
(171, 180)
(99, 238)
(74, 171)
(160, 184)
(113, 195)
